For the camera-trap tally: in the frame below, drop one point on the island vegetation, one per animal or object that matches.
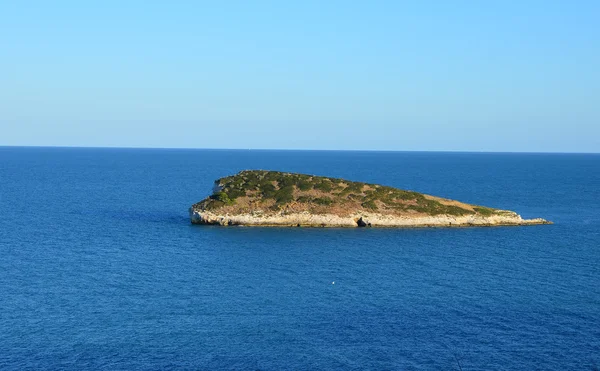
(250, 190)
(273, 198)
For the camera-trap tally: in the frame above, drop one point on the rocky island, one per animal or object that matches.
(272, 198)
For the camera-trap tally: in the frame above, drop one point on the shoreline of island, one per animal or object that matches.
(305, 219)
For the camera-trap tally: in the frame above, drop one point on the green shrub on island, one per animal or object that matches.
(325, 201)
(213, 204)
(222, 197)
(485, 211)
(304, 185)
(284, 195)
(352, 187)
(323, 185)
(234, 193)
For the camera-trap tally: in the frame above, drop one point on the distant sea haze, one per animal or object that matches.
(102, 269)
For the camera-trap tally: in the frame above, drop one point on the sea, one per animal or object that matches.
(100, 268)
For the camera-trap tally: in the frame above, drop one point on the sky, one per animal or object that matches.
(515, 76)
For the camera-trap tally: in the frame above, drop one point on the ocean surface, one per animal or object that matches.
(100, 267)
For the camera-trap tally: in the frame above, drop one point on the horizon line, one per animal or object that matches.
(293, 149)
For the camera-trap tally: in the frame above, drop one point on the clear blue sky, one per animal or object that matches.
(381, 75)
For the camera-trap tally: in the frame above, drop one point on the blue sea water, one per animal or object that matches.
(101, 269)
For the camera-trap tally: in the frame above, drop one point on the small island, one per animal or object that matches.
(272, 198)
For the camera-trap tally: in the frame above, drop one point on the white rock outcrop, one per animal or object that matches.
(306, 219)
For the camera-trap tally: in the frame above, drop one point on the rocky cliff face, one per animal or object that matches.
(306, 219)
(269, 198)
